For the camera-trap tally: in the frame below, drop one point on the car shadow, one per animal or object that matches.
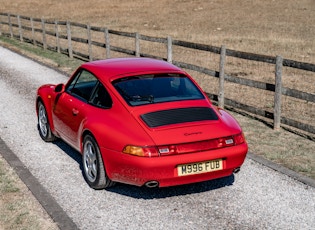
(152, 193)
(159, 193)
(71, 152)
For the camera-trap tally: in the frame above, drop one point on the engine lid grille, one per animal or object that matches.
(177, 116)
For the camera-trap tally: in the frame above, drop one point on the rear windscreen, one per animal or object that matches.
(148, 89)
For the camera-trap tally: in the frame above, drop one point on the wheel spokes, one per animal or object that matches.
(42, 120)
(90, 162)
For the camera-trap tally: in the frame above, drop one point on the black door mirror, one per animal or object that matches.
(60, 88)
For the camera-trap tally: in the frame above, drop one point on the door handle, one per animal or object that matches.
(75, 112)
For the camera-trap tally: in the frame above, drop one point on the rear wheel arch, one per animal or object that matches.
(87, 131)
(229, 119)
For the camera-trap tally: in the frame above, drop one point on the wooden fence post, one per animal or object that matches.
(169, 49)
(107, 43)
(0, 26)
(57, 36)
(33, 32)
(221, 77)
(137, 44)
(70, 52)
(20, 28)
(88, 28)
(278, 93)
(10, 25)
(44, 34)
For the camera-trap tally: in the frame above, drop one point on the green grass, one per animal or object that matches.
(286, 148)
(7, 185)
(51, 58)
(13, 212)
(18, 209)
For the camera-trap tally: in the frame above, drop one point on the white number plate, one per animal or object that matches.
(199, 167)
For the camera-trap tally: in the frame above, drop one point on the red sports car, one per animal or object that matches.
(140, 121)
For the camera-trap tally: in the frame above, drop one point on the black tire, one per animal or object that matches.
(93, 167)
(43, 124)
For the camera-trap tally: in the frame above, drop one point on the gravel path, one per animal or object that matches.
(255, 198)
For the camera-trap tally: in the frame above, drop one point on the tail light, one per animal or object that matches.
(239, 139)
(141, 151)
(165, 150)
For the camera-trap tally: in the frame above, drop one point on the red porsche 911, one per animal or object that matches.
(140, 121)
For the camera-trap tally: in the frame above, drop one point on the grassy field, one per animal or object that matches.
(282, 27)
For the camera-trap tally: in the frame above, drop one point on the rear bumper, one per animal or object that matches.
(137, 171)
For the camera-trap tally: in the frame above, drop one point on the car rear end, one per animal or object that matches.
(192, 141)
(175, 164)
(202, 146)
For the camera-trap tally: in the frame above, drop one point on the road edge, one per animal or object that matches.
(58, 215)
(290, 173)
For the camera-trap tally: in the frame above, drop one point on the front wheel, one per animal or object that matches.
(93, 166)
(43, 124)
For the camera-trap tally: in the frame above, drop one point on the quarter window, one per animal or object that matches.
(101, 97)
(82, 85)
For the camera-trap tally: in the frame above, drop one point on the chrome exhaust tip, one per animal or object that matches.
(236, 170)
(152, 184)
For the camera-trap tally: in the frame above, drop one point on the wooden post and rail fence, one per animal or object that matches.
(24, 29)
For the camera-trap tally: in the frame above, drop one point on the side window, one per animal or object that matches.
(101, 97)
(82, 85)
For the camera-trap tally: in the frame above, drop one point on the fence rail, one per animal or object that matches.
(65, 37)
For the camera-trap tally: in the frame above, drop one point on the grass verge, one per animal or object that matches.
(19, 209)
(50, 58)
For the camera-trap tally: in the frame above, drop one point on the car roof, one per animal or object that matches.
(111, 69)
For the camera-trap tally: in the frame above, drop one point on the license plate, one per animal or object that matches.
(199, 167)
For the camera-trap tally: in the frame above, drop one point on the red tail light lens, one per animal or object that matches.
(239, 139)
(165, 150)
